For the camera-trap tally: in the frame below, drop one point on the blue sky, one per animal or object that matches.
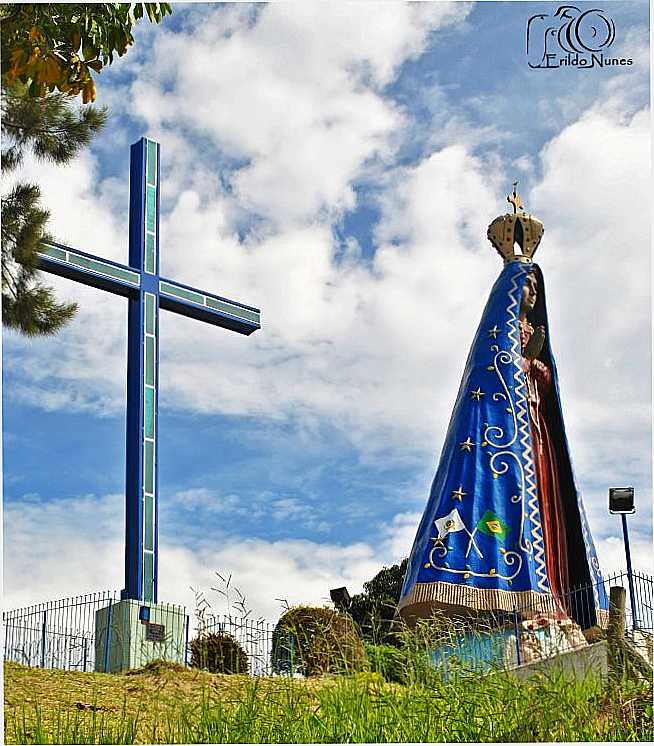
(336, 165)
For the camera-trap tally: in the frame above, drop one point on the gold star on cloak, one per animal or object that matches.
(458, 494)
(477, 394)
(467, 444)
(494, 331)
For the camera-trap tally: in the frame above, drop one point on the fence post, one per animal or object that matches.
(615, 631)
(516, 629)
(86, 642)
(43, 639)
(186, 643)
(107, 642)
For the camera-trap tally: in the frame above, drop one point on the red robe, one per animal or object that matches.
(539, 382)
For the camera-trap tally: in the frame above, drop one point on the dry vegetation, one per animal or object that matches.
(147, 696)
(166, 703)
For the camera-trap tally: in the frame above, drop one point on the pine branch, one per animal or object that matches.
(36, 312)
(28, 306)
(23, 224)
(53, 129)
(55, 132)
(20, 127)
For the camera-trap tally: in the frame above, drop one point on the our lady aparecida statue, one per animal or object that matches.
(505, 527)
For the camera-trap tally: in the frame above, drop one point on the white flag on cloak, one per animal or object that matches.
(449, 524)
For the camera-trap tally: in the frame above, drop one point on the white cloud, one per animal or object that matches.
(295, 94)
(206, 504)
(596, 258)
(611, 554)
(201, 497)
(400, 533)
(90, 375)
(57, 549)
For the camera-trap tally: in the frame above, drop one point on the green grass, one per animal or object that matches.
(168, 705)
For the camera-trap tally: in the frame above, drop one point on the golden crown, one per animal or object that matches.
(520, 228)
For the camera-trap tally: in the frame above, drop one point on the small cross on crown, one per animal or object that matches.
(515, 200)
(519, 228)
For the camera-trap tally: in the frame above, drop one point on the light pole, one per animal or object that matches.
(621, 502)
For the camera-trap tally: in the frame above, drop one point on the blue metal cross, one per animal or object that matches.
(147, 292)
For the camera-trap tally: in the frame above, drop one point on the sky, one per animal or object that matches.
(336, 165)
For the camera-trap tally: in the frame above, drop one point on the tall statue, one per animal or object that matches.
(505, 527)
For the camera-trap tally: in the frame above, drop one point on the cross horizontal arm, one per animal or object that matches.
(198, 304)
(88, 269)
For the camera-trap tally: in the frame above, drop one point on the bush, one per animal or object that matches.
(314, 641)
(218, 652)
(388, 661)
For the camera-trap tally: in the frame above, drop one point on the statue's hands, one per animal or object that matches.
(535, 344)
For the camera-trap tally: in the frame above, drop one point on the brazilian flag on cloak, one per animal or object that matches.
(492, 557)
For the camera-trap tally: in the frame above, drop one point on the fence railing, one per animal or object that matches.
(255, 636)
(55, 634)
(643, 585)
(62, 634)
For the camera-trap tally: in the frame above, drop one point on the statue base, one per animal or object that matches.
(130, 634)
(535, 639)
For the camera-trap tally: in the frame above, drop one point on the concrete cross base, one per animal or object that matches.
(130, 634)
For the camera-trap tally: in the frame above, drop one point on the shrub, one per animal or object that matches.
(388, 661)
(314, 641)
(218, 652)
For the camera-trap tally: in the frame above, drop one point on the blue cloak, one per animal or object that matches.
(480, 545)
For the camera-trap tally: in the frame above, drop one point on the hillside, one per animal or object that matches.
(164, 703)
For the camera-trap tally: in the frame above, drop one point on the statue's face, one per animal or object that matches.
(529, 292)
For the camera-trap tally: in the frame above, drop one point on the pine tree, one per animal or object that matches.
(55, 132)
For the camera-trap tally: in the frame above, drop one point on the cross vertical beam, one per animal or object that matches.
(142, 474)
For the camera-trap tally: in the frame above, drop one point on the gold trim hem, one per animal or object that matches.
(463, 600)
(454, 597)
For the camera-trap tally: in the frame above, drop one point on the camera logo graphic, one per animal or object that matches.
(569, 37)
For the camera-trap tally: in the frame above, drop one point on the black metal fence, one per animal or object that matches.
(55, 634)
(641, 617)
(62, 634)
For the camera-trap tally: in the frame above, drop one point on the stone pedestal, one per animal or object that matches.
(130, 634)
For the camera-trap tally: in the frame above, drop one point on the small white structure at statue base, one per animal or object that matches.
(130, 634)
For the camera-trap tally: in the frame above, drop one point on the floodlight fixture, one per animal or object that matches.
(621, 500)
(340, 597)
